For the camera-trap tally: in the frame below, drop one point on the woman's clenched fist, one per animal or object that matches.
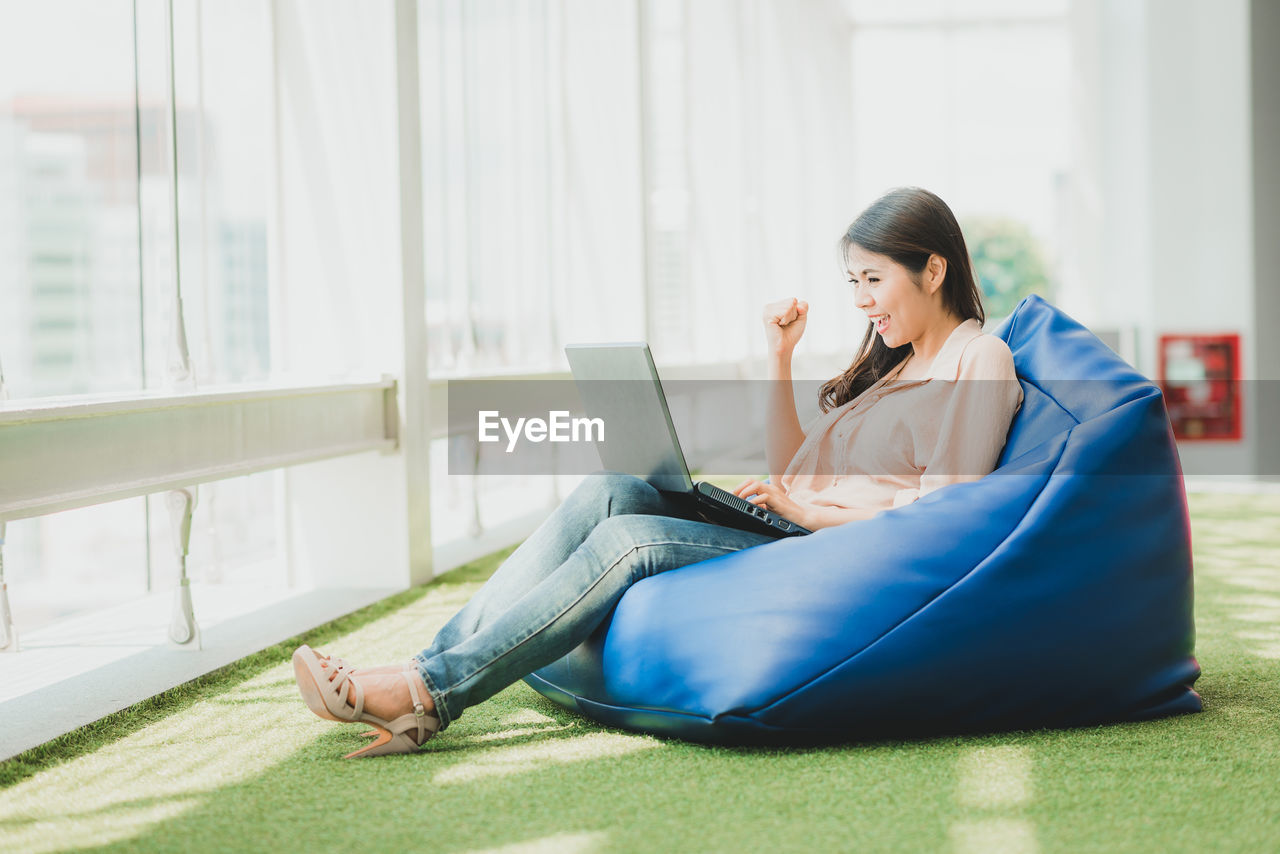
(784, 324)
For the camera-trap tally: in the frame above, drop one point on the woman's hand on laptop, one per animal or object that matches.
(773, 497)
(811, 516)
(784, 324)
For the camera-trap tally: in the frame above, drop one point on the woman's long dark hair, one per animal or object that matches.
(908, 225)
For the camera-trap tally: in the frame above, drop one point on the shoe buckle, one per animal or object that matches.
(419, 710)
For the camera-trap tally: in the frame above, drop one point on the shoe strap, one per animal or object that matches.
(344, 685)
(419, 710)
(331, 661)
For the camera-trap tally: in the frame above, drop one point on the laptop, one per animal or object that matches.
(619, 384)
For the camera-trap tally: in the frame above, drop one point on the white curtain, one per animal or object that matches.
(612, 171)
(337, 296)
(770, 168)
(532, 190)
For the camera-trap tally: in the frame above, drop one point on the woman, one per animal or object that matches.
(888, 434)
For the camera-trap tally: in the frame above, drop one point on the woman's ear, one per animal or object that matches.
(935, 272)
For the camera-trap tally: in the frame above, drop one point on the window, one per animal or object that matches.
(70, 321)
(86, 260)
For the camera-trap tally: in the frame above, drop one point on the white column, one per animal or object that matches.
(1265, 79)
(415, 414)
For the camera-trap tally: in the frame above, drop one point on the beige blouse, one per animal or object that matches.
(898, 441)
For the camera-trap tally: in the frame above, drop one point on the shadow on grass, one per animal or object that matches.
(520, 769)
(129, 720)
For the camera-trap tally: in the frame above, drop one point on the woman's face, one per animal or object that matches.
(900, 308)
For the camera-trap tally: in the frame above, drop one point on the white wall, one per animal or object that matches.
(1201, 200)
(1168, 161)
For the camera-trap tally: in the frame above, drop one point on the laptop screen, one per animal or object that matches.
(618, 383)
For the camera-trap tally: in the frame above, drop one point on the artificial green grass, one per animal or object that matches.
(235, 762)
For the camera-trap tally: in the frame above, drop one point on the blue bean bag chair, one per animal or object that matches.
(1054, 592)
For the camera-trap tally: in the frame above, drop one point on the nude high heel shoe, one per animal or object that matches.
(342, 662)
(326, 688)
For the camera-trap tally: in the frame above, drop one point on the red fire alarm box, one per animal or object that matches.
(1200, 377)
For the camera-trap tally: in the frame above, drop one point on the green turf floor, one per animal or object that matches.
(235, 762)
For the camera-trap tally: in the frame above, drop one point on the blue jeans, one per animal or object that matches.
(561, 583)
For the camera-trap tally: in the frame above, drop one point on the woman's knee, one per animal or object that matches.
(618, 537)
(618, 494)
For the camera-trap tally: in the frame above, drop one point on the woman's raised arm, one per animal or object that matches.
(783, 325)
